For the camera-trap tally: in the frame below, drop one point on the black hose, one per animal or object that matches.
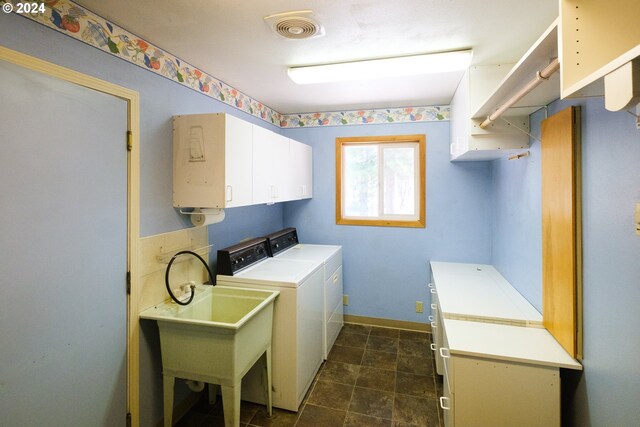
(193, 292)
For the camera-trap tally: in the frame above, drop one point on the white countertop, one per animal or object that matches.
(478, 291)
(504, 342)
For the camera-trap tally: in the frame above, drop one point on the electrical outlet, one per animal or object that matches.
(345, 299)
(637, 218)
(419, 307)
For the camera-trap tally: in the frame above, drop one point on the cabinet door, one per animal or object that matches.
(302, 170)
(263, 161)
(238, 162)
(271, 159)
(281, 170)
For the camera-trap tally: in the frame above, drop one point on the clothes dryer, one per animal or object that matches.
(284, 244)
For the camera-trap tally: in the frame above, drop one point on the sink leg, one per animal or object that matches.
(213, 394)
(269, 385)
(231, 404)
(168, 383)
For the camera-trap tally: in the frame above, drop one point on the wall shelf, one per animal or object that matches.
(475, 100)
(543, 51)
(596, 38)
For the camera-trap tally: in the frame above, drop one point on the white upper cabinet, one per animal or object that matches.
(491, 107)
(212, 161)
(221, 161)
(270, 163)
(302, 170)
(238, 162)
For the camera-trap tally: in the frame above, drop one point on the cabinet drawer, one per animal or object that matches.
(447, 402)
(334, 325)
(437, 335)
(333, 264)
(333, 292)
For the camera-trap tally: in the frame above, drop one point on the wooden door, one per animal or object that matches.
(63, 222)
(561, 228)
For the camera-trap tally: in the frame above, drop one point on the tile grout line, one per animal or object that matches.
(353, 391)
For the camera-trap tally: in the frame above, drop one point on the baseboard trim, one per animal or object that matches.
(388, 323)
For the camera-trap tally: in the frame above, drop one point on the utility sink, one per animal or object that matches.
(215, 339)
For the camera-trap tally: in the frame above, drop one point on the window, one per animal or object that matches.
(380, 181)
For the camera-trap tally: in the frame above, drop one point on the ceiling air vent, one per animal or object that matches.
(296, 25)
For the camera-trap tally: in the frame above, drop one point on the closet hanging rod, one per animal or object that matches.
(540, 77)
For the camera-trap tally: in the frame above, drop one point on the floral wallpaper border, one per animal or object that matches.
(359, 117)
(72, 19)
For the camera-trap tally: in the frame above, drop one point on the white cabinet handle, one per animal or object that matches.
(433, 346)
(434, 325)
(444, 352)
(229, 193)
(431, 318)
(430, 285)
(434, 307)
(433, 291)
(444, 405)
(335, 278)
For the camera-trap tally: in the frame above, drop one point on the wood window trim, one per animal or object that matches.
(421, 140)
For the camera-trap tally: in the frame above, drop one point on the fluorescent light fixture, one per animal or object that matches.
(380, 68)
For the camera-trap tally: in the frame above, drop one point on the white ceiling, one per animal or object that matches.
(229, 40)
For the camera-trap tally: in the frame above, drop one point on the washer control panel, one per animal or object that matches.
(238, 257)
(281, 240)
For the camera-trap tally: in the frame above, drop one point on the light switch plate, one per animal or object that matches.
(637, 218)
(419, 307)
(345, 299)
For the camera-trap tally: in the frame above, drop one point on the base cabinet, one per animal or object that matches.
(491, 393)
(500, 367)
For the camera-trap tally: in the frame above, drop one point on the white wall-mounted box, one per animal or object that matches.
(212, 161)
(221, 161)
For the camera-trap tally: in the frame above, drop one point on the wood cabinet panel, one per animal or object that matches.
(561, 244)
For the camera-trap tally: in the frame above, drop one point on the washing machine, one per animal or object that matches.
(297, 318)
(284, 244)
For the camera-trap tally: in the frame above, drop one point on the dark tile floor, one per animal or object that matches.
(373, 377)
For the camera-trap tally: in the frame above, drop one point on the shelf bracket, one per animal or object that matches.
(520, 129)
(636, 115)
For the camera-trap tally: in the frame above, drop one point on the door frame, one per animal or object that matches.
(132, 98)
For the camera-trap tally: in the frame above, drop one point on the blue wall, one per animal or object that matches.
(475, 213)
(160, 99)
(517, 219)
(385, 268)
(608, 391)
